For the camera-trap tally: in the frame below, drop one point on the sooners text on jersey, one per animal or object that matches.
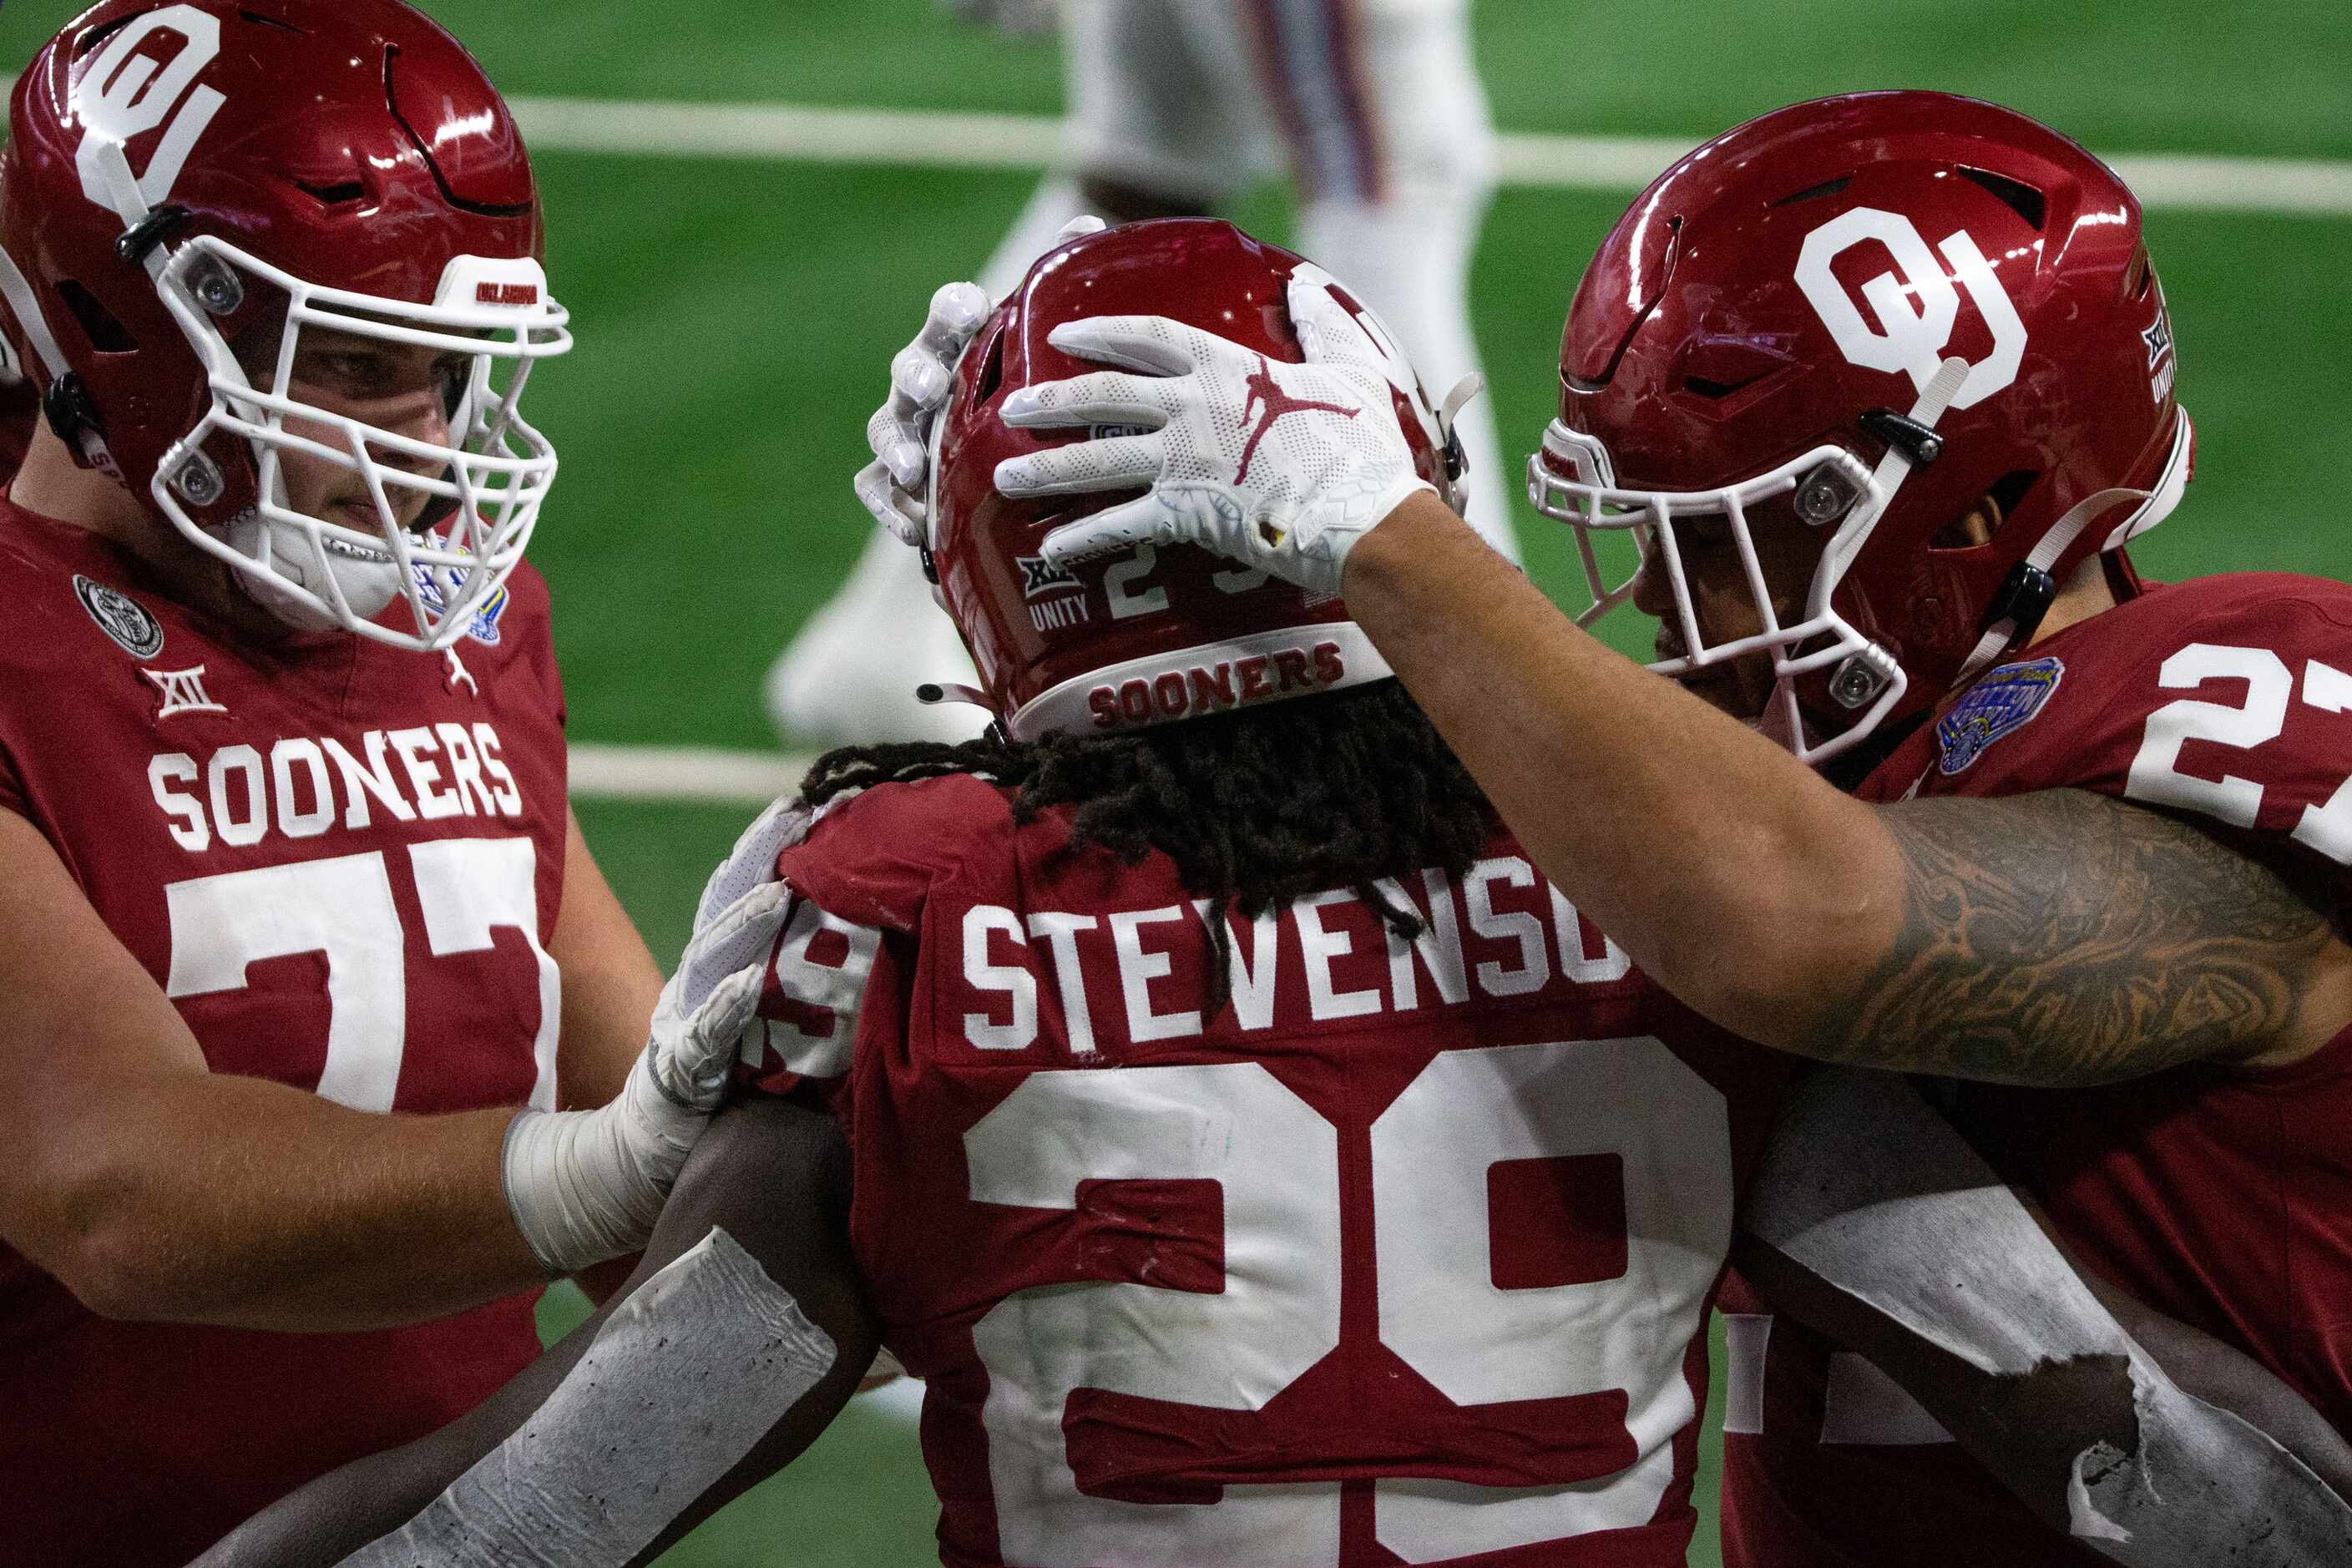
(1402, 1257)
(343, 864)
(2219, 1197)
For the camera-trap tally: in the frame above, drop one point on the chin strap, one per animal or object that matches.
(934, 693)
(1450, 450)
(2017, 609)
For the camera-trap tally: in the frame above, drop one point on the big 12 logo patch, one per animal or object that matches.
(125, 94)
(1915, 335)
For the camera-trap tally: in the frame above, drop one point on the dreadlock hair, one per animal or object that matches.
(1256, 807)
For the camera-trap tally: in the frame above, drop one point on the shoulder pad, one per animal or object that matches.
(872, 857)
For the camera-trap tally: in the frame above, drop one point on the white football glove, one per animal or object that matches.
(752, 862)
(894, 486)
(586, 1185)
(1278, 466)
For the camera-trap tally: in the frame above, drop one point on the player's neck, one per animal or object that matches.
(2086, 593)
(52, 485)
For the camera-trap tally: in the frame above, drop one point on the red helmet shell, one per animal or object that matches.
(351, 142)
(1166, 633)
(1814, 264)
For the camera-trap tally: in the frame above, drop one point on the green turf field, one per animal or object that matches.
(734, 320)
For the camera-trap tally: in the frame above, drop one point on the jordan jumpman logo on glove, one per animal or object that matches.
(1266, 395)
(1227, 466)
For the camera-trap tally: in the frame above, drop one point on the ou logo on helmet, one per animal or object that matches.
(1915, 333)
(125, 94)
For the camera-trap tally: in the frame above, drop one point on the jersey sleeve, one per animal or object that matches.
(813, 1001)
(2241, 715)
(861, 881)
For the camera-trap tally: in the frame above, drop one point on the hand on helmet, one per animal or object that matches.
(899, 433)
(893, 486)
(585, 1186)
(1281, 467)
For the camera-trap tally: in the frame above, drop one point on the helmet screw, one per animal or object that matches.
(1823, 496)
(1857, 680)
(198, 480)
(215, 285)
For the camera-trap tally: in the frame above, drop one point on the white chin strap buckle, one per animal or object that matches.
(1456, 460)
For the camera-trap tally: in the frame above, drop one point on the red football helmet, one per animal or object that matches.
(1873, 315)
(179, 175)
(1168, 632)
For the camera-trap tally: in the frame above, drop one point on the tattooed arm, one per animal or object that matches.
(2067, 937)
(2053, 939)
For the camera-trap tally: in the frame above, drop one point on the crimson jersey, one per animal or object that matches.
(1403, 1256)
(342, 862)
(2219, 1197)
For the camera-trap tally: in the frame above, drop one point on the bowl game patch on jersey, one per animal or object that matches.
(485, 627)
(2005, 700)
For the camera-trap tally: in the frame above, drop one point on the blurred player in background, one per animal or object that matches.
(1261, 1165)
(284, 843)
(1374, 110)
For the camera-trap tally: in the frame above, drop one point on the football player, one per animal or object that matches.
(283, 839)
(1194, 1085)
(1374, 110)
(1882, 384)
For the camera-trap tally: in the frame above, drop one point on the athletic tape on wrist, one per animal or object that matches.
(687, 1374)
(586, 1185)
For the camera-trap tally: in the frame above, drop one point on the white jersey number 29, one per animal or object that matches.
(341, 907)
(1276, 1161)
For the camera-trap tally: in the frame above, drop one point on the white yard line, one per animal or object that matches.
(692, 776)
(914, 138)
(790, 132)
(926, 138)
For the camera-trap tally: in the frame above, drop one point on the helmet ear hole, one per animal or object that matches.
(1981, 524)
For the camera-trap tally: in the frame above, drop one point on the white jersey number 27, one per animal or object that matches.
(2156, 776)
(1276, 1161)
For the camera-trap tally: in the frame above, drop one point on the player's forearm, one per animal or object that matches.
(1871, 1219)
(1743, 882)
(234, 1201)
(2228, 1379)
(741, 1336)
